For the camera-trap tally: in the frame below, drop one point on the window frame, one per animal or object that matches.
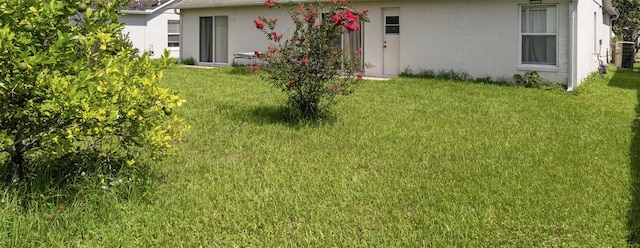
(522, 65)
(169, 34)
(388, 25)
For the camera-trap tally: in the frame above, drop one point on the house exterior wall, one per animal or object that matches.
(593, 26)
(148, 32)
(243, 35)
(479, 37)
(134, 29)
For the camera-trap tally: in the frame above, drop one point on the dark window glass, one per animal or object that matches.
(391, 20)
(392, 29)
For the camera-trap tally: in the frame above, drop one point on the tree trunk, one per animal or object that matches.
(18, 163)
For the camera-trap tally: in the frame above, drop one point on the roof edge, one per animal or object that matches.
(202, 6)
(149, 11)
(607, 5)
(181, 5)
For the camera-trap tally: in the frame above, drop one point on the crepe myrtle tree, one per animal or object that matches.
(308, 65)
(70, 84)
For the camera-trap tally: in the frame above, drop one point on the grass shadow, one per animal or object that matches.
(270, 114)
(282, 114)
(240, 70)
(78, 177)
(273, 115)
(630, 79)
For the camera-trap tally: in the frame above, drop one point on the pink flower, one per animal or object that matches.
(255, 67)
(347, 19)
(299, 10)
(259, 25)
(358, 51)
(360, 76)
(269, 3)
(256, 53)
(364, 12)
(272, 49)
(304, 61)
(276, 37)
(311, 16)
(337, 19)
(291, 83)
(331, 48)
(351, 27)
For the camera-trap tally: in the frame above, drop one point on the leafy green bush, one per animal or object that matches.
(441, 74)
(310, 66)
(531, 79)
(189, 61)
(420, 74)
(453, 75)
(72, 85)
(484, 80)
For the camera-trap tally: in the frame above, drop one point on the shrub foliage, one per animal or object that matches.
(310, 65)
(71, 85)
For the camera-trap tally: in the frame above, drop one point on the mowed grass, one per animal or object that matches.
(405, 163)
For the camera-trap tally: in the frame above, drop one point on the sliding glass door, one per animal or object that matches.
(222, 39)
(206, 39)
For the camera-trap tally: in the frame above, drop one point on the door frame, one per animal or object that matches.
(385, 57)
(214, 38)
(200, 38)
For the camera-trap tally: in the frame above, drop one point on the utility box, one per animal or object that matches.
(625, 54)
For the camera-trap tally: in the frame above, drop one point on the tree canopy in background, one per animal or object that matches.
(627, 25)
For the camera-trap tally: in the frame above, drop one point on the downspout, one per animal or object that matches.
(146, 46)
(572, 44)
(177, 11)
(613, 15)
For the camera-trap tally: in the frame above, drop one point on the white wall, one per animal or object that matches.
(243, 35)
(148, 31)
(480, 37)
(592, 27)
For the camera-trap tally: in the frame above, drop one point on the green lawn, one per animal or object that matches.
(406, 163)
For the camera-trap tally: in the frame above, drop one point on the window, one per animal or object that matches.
(173, 31)
(392, 24)
(539, 34)
(206, 39)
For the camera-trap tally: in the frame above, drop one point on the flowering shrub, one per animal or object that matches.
(308, 66)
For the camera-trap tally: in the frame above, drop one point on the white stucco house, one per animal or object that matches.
(563, 40)
(152, 26)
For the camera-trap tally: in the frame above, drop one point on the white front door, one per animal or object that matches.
(391, 45)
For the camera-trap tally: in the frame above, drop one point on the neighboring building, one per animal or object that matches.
(152, 26)
(562, 39)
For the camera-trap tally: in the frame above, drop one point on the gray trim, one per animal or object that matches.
(607, 5)
(195, 4)
(145, 7)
